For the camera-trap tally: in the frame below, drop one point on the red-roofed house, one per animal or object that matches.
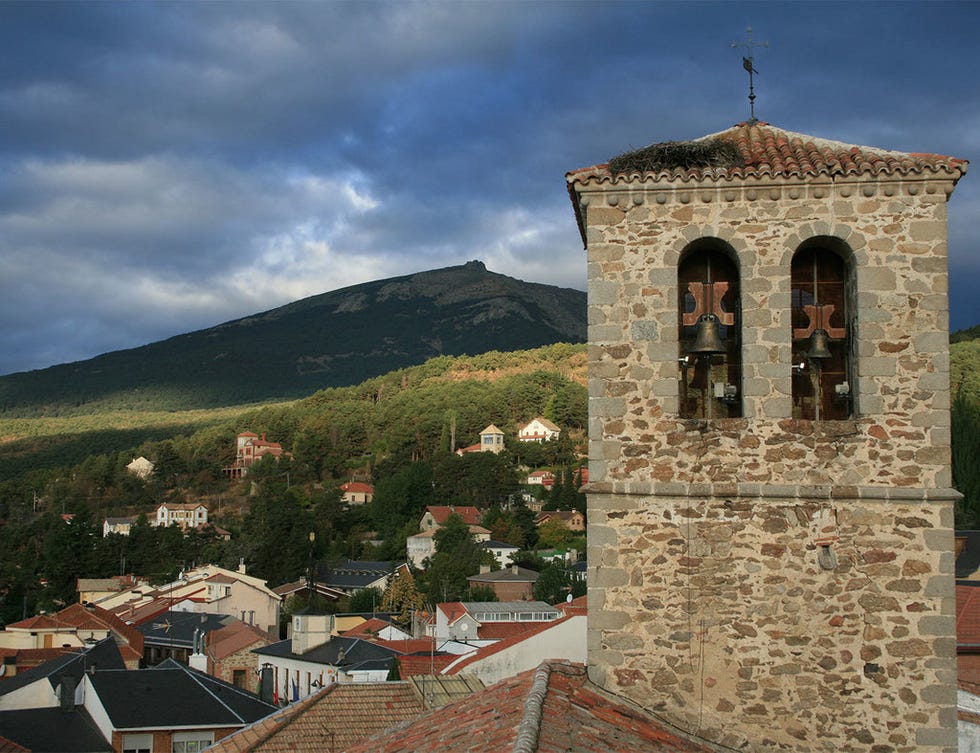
(356, 493)
(229, 653)
(564, 638)
(75, 626)
(376, 628)
(436, 516)
(249, 449)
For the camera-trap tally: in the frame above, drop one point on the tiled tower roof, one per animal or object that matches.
(760, 149)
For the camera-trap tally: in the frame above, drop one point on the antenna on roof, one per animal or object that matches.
(748, 63)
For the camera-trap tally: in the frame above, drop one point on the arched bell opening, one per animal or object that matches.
(709, 334)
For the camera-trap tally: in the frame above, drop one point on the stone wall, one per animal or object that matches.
(763, 581)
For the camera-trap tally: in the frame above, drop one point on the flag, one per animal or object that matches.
(747, 65)
(295, 691)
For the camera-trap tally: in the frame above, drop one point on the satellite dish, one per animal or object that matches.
(569, 597)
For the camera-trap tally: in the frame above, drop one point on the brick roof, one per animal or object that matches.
(333, 719)
(235, 636)
(546, 710)
(766, 150)
(87, 617)
(357, 486)
(440, 513)
(968, 616)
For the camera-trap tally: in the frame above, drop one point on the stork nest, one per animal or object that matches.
(672, 155)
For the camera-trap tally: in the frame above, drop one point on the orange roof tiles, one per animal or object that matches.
(550, 709)
(766, 150)
(331, 720)
(440, 513)
(968, 616)
(235, 636)
(368, 628)
(85, 617)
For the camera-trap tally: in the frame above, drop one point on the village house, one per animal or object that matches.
(421, 546)
(121, 526)
(356, 493)
(436, 516)
(491, 440)
(488, 621)
(208, 589)
(512, 583)
(140, 467)
(559, 633)
(75, 626)
(249, 449)
(539, 430)
(573, 519)
(350, 576)
(184, 515)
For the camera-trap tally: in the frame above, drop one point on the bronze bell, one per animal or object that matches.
(708, 339)
(819, 345)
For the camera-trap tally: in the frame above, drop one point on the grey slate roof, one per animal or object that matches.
(52, 730)
(177, 628)
(355, 653)
(172, 695)
(103, 655)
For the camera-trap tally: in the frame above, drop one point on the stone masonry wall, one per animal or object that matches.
(765, 582)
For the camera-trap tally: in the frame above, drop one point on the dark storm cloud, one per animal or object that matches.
(169, 166)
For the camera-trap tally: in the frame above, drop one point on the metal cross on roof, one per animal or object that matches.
(748, 63)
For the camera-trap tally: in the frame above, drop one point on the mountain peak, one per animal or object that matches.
(333, 339)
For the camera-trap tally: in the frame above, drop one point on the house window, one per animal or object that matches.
(192, 742)
(141, 743)
(709, 335)
(821, 334)
(239, 677)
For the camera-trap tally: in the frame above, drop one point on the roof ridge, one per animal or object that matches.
(529, 730)
(199, 678)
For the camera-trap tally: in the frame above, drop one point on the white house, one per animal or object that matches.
(313, 658)
(140, 467)
(538, 430)
(186, 516)
(564, 637)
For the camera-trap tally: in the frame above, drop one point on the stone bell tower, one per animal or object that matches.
(770, 501)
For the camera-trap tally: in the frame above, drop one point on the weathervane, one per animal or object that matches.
(748, 65)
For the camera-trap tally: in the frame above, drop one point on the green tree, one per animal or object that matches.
(554, 534)
(365, 600)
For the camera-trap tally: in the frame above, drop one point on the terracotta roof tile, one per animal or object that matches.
(766, 150)
(550, 709)
(441, 513)
(333, 719)
(968, 616)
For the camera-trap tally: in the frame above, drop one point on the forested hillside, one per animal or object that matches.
(398, 430)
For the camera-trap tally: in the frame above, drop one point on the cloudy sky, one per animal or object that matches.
(166, 167)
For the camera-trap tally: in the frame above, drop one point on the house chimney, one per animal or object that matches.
(241, 565)
(265, 683)
(484, 569)
(514, 569)
(66, 693)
